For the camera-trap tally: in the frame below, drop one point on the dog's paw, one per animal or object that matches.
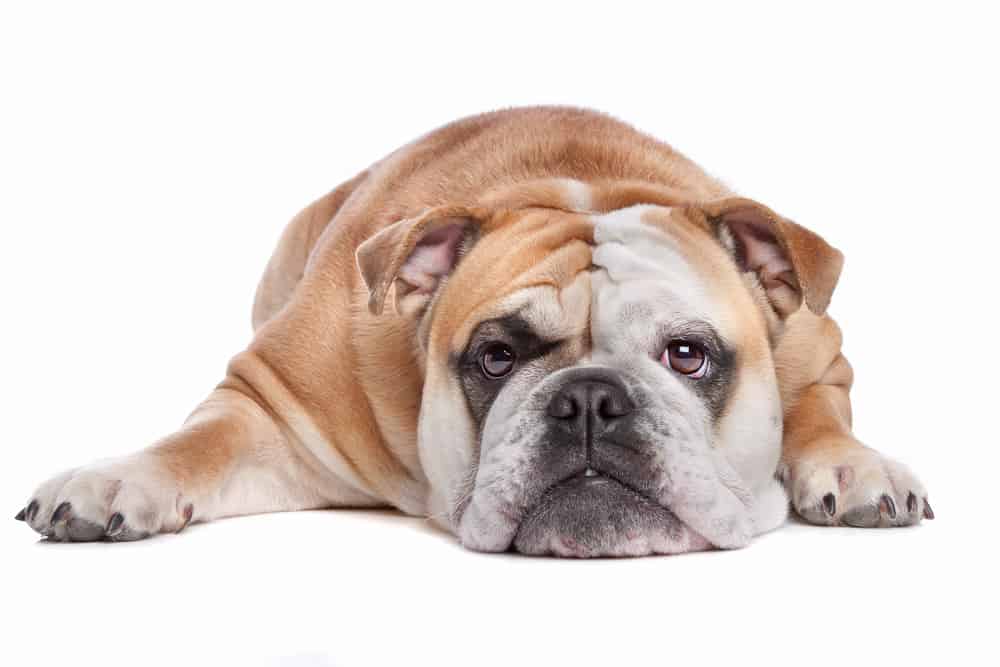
(119, 500)
(854, 487)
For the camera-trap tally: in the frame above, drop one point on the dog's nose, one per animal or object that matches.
(590, 404)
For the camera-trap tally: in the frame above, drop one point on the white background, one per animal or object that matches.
(149, 159)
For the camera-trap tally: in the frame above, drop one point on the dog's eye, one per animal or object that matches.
(686, 358)
(498, 360)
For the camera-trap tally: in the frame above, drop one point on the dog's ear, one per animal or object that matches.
(415, 254)
(792, 263)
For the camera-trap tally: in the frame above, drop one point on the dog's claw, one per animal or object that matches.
(188, 513)
(32, 509)
(928, 512)
(911, 503)
(115, 524)
(61, 513)
(20, 515)
(888, 505)
(830, 504)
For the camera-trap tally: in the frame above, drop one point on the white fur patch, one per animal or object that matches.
(648, 265)
(752, 426)
(578, 195)
(446, 438)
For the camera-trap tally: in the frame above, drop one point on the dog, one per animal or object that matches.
(545, 331)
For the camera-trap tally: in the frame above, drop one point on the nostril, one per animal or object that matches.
(563, 407)
(613, 405)
(605, 410)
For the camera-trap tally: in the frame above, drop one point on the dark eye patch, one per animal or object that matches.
(716, 386)
(514, 331)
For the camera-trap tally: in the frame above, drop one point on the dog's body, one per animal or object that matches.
(567, 239)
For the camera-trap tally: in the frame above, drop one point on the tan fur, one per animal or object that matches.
(815, 381)
(287, 264)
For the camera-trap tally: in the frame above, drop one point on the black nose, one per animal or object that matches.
(590, 404)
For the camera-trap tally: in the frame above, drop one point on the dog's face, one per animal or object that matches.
(601, 385)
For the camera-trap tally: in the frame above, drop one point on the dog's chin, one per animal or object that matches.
(590, 517)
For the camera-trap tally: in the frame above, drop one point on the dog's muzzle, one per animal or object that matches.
(603, 475)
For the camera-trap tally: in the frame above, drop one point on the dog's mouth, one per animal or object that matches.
(593, 514)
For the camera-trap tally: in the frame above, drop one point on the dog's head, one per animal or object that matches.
(601, 384)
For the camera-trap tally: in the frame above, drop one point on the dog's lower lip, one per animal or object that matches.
(590, 516)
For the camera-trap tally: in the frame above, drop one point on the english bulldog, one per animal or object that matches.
(543, 330)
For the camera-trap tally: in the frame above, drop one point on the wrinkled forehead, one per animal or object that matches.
(656, 267)
(597, 278)
(534, 264)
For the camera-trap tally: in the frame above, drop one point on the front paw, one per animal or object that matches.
(854, 486)
(119, 500)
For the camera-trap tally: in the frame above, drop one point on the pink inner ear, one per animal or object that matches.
(761, 251)
(433, 257)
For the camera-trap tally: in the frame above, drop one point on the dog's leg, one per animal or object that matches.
(831, 477)
(233, 456)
